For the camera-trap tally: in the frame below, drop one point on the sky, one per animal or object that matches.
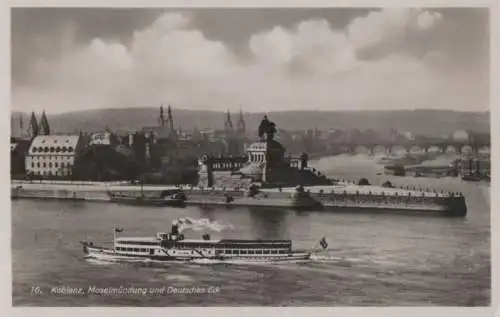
(68, 59)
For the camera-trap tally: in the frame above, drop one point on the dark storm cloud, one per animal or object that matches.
(46, 32)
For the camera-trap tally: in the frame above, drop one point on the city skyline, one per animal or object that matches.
(275, 60)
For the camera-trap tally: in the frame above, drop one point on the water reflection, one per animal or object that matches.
(269, 223)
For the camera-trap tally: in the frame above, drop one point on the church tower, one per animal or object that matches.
(162, 118)
(44, 127)
(228, 124)
(170, 119)
(33, 126)
(240, 126)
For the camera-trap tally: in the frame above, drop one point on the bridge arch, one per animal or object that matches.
(416, 149)
(484, 149)
(363, 149)
(434, 148)
(379, 149)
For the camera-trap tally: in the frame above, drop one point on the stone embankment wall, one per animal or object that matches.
(63, 194)
(339, 199)
(454, 204)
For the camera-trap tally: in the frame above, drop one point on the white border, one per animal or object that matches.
(5, 262)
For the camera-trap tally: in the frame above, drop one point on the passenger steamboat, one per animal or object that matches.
(174, 246)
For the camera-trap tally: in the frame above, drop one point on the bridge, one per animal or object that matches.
(421, 143)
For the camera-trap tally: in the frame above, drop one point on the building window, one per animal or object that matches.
(38, 164)
(34, 149)
(52, 149)
(58, 149)
(50, 164)
(56, 165)
(44, 164)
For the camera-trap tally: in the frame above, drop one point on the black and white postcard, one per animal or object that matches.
(250, 156)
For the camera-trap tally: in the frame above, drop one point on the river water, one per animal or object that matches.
(372, 260)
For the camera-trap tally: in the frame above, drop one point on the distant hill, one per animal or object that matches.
(426, 122)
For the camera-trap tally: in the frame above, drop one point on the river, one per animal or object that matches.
(372, 260)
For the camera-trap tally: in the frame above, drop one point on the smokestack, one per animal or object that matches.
(175, 228)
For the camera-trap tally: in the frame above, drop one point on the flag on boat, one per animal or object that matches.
(118, 229)
(323, 243)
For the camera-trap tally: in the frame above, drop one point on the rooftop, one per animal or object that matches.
(54, 144)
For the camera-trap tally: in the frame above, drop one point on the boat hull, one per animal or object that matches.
(108, 254)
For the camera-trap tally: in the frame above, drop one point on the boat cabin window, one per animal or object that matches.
(274, 252)
(243, 251)
(282, 252)
(266, 251)
(251, 252)
(143, 250)
(138, 242)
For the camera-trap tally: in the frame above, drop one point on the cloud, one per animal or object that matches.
(390, 30)
(309, 65)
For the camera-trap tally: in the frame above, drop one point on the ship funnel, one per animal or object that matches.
(175, 229)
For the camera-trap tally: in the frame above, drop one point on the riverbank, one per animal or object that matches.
(335, 197)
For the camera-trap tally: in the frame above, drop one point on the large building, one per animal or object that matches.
(52, 155)
(105, 138)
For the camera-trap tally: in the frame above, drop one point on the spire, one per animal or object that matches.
(162, 118)
(196, 131)
(228, 124)
(44, 124)
(33, 126)
(170, 119)
(240, 126)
